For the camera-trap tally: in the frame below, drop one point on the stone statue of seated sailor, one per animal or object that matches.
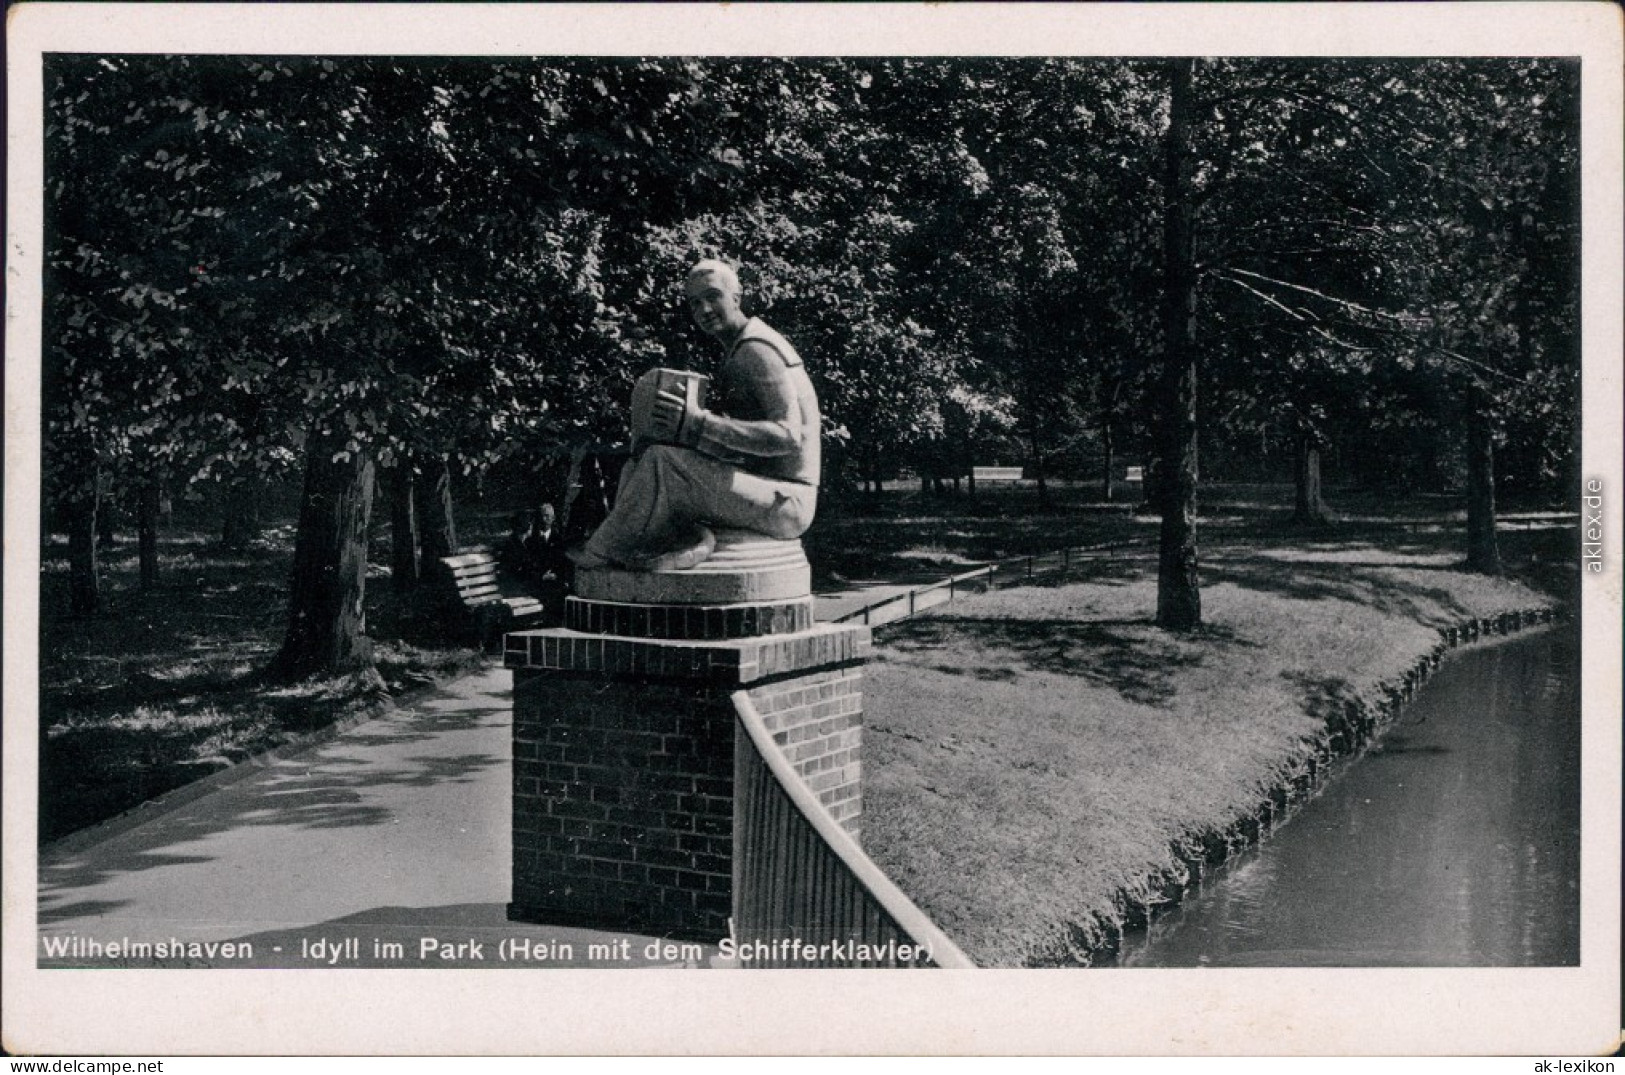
(702, 482)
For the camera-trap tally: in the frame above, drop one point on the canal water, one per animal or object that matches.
(1453, 841)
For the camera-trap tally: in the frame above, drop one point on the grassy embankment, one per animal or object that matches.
(1035, 756)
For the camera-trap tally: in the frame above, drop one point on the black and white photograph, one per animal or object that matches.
(1113, 509)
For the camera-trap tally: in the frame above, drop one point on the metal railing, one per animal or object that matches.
(901, 606)
(805, 894)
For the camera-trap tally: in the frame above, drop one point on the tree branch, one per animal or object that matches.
(1320, 295)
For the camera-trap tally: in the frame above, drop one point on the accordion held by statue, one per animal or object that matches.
(646, 421)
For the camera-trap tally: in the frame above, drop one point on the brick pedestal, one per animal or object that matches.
(624, 746)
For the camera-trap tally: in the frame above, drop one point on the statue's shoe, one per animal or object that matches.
(692, 553)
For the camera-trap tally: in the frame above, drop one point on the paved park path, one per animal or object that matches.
(394, 832)
(854, 595)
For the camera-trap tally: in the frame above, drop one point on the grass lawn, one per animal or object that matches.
(1032, 754)
(905, 533)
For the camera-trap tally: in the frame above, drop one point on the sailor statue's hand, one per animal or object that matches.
(666, 416)
(671, 421)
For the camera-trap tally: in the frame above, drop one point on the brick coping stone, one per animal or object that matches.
(717, 663)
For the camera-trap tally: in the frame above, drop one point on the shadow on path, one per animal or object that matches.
(346, 782)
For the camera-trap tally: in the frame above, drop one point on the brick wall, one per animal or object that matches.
(818, 721)
(622, 805)
(623, 794)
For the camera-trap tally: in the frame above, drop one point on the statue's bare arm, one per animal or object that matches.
(762, 373)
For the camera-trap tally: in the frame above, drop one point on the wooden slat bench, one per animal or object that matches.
(489, 599)
(997, 474)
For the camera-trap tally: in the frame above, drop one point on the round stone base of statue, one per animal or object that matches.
(693, 623)
(744, 567)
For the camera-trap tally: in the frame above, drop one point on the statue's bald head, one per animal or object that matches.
(717, 274)
(713, 294)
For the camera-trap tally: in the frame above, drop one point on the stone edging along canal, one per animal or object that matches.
(1351, 727)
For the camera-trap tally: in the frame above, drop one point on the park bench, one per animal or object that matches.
(488, 599)
(997, 474)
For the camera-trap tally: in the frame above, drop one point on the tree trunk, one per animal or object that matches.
(241, 524)
(1483, 554)
(590, 504)
(327, 620)
(437, 523)
(1309, 508)
(1038, 466)
(1150, 496)
(572, 490)
(1179, 595)
(1106, 488)
(84, 572)
(403, 530)
(147, 528)
(106, 538)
